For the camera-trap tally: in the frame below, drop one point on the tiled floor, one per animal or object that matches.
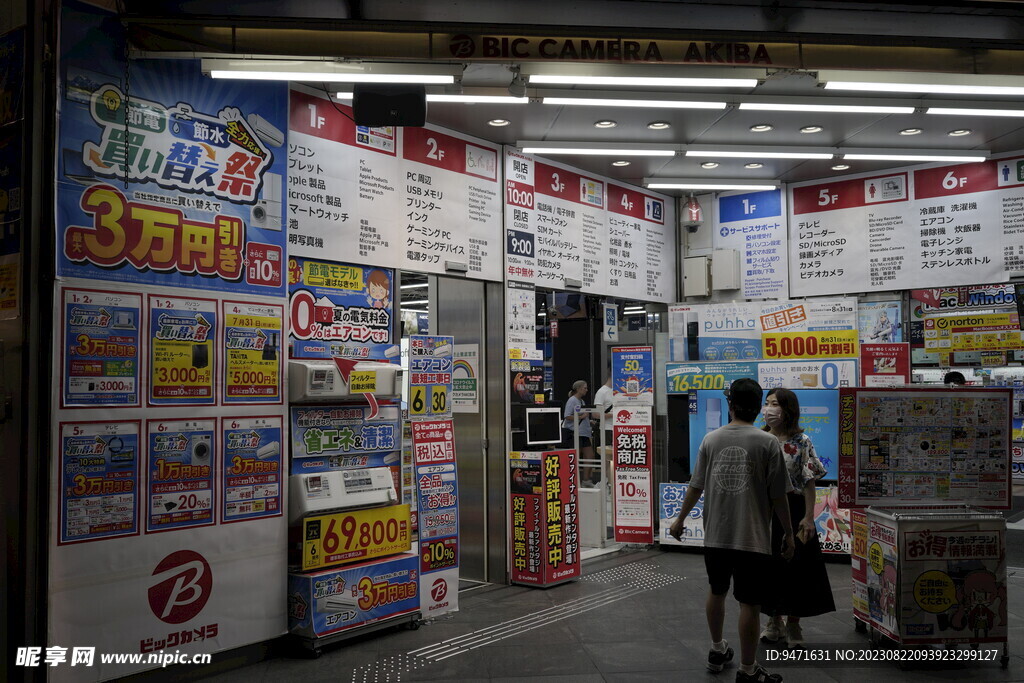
(634, 616)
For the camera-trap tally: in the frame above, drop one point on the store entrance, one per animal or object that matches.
(471, 311)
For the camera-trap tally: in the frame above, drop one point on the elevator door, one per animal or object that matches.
(460, 308)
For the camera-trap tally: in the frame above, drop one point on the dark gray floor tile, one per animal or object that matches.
(537, 660)
(647, 655)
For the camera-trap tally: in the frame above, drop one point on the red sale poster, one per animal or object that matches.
(884, 365)
(544, 508)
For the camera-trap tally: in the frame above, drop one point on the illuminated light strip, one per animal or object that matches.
(964, 111)
(320, 77)
(612, 102)
(637, 81)
(837, 108)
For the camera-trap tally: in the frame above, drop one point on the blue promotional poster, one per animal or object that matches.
(327, 437)
(633, 374)
(99, 480)
(251, 466)
(333, 600)
(180, 466)
(670, 502)
(165, 176)
(430, 376)
(753, 223)
(819, 418)
(339, 310)
(683, 378)
(101, 348)
(182, 354)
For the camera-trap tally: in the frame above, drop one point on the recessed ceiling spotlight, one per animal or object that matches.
(709, 164)
(659, 125)
(761, 128)
(811, 129)
(498, 122)
(606, 123)
(620, 162)
(911, 131)
(840, 167)
(753, 164)
(959, 132)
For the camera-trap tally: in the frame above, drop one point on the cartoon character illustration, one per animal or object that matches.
(378, 288)
(520, 388)
(976, 596)
(888, 597)
(883, 329)
(831, 521)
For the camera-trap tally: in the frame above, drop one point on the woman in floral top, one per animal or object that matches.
(803, 586)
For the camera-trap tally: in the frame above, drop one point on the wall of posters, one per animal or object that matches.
(925, 447)
(340, 310)
(930, 226)
(180, 483)
(563, 225)
(101, 348)
(754, 224)
(411, 198)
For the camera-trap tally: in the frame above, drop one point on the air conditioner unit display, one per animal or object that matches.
(320, 380)
(321, 492)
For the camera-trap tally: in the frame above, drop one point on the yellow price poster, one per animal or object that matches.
(362, 382)
(439, 399)
(430, 376)
(820, 344)
(354, 535)
(418, 402)
(252, 360)
(182, 352)
(973, 332)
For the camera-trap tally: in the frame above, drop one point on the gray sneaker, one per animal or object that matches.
(718, 660)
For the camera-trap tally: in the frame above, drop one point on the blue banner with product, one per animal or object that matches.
(633, 374)
(819, 417)
(332, 437)
(165, 176)
(252, 467)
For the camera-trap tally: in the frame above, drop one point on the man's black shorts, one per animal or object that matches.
(747, 571)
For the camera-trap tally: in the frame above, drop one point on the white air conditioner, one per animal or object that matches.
(267, 131)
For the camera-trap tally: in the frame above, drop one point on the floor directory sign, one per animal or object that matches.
(182, 351)
(251, 467)
(101, 347)
(180, 474)
(99, 480)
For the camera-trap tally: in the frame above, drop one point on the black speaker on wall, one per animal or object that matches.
(386, 104)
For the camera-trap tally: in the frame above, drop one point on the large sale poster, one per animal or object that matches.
(754, 224)
(633, 456)
(204, 162)
(562, 225)
(251, 467)
(180, 484)
(252, 352)
(182, 353)
(412, 198)
(933, 226)
(438, 514)
(633, 374)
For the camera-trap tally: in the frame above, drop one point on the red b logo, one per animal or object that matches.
(184, 581)
(438, 590)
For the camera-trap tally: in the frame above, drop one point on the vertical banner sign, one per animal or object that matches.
(430, 376)
(100, 359)
(252, 352)
(182, 350)
(99, 481)
(251, 467)
(437, 483)
(883, 575)
(633, 439)
(465, 396)
(611, 323)
(859, 565)
(180, 467)
(884, 365)
(339, 310)
(545, 517)
(752, 223)
(633, 374)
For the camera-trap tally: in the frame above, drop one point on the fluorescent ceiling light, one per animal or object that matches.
(964, 111)
(614, 102)
(827, 108)
(755, 153)
(330, 72)
(641, 81)
(478, 99)
(418, 285)
(705, 184)
(917, 82)
(624, 149)
(916, 157)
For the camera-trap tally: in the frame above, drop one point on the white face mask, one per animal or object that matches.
(772, 415)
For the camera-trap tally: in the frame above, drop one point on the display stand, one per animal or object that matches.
(937, 575)
(593, 496)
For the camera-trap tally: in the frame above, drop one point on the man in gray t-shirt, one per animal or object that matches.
(742, 474)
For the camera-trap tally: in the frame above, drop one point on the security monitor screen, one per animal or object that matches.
(543, 426)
